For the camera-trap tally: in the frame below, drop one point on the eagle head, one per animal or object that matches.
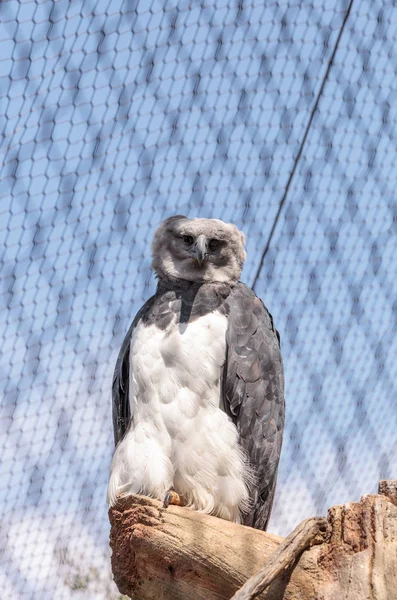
(198, 250)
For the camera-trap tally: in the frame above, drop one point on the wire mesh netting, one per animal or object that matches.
(278, 116)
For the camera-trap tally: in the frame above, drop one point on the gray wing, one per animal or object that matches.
(121, 408)
(253, 394)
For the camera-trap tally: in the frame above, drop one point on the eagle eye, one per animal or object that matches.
(188, 239)
(213, 244)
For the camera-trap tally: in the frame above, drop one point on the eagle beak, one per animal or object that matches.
(200, 252)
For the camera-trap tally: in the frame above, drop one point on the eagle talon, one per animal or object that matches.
(172, 497)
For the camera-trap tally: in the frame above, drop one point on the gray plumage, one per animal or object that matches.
(251, 379)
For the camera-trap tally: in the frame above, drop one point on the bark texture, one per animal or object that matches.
(179, 554)
(309, 532)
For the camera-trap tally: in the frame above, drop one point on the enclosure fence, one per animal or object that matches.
(278, 116)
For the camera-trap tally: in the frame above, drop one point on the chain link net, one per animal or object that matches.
(278, 116)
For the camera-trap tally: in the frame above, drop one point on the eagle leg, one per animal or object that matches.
(172, 497)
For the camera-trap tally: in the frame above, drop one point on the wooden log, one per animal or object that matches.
(388, 488)
(179, 554)
(305, 535)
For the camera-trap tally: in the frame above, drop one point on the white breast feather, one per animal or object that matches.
(180, 438)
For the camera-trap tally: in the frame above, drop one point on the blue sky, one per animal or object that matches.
(116, 115)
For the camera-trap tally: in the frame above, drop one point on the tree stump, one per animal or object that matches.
(180, 554)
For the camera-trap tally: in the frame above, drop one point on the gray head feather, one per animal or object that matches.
(198, 250)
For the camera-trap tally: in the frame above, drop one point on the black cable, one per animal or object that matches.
(291, 176)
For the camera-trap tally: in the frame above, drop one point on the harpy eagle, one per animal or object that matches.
(198, 388)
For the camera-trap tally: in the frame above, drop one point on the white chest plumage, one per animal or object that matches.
(180, 437)
(177, 369)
